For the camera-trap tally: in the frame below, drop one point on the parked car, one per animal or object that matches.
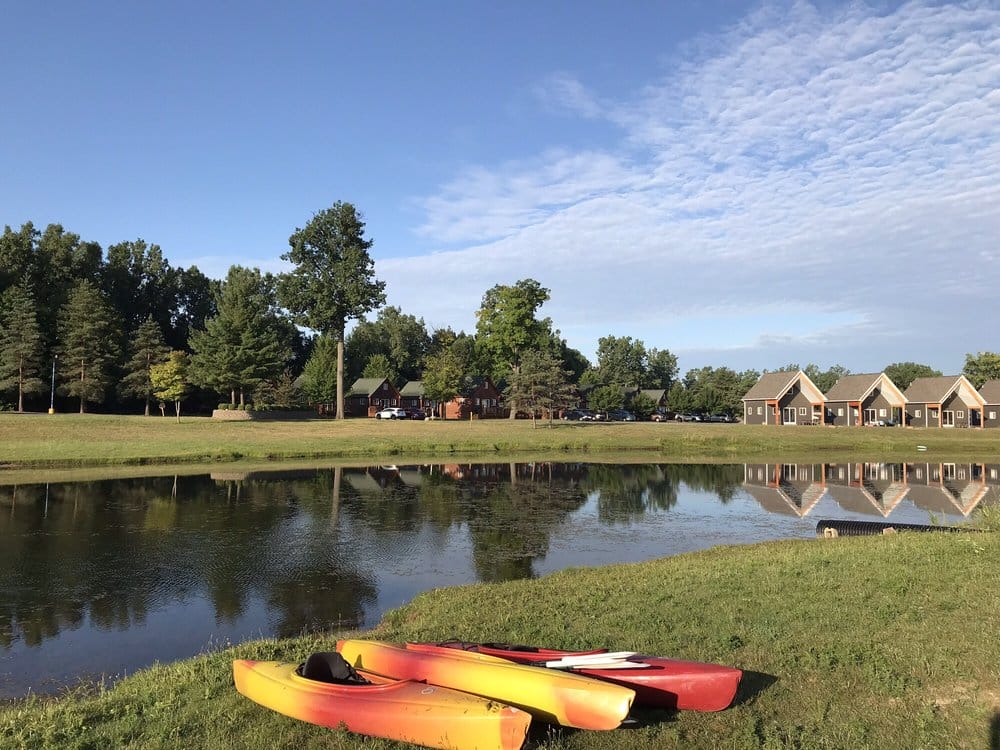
(659, 416)
(392, 412)
(620, 415)
(412, 413)
(573, 415)
(719, 418)
(687, 418)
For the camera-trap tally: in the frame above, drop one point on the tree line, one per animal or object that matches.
(123, 330)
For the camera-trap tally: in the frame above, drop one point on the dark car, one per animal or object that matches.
(412, 413)
(574, 415)
(659, 416)
(620, 415)
(719, 418)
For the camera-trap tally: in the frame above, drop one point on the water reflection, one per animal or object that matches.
(873, 488)
(103, 577)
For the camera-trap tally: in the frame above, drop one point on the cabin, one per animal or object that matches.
(948, 401)
(369, 395)
(412, 397)
(947, 488)
(872, 400)
(786, 397)
(480, 399)
(990, 393)
(657, 395)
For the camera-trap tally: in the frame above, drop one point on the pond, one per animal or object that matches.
(101, 578)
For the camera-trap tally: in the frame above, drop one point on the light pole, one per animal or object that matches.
(52, 392)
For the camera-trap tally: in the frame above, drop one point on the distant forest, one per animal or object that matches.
(122, 330)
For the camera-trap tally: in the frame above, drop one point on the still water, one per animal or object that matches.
(101, 578)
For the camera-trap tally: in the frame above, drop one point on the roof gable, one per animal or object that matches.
(858, 387)
(368, 386)
(774, 385)
(412, 388)
(937, 390)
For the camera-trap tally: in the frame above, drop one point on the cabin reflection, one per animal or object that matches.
(873, 488)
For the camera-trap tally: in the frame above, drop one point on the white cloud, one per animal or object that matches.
(844, 164)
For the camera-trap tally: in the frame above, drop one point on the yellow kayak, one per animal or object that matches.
(401, 710)
(553, 696)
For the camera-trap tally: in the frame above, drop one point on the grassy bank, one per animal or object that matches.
(884, 642)
(67, 440)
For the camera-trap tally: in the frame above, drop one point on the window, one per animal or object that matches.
(802, 411)
(881, 412)
(750, 410)
(916, 413)
(760, 410)
(960, 414)
(993, 415)
(840, 411)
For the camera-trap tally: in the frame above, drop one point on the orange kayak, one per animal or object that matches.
(658, 682)
(553, 696)
(394, 709)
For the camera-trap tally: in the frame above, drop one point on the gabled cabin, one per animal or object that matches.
(787, 398)
(948, 401)
(990, 393)
(480, 398)
(369, 395)
(657, 395)
(872, 400)
(412, 396)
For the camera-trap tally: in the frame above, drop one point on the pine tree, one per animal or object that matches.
(20, 344)
(540, 384)
(319, 377)
(245, 343)
(147, 349)
(87, 348)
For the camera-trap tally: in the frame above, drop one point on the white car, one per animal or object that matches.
(392, 412)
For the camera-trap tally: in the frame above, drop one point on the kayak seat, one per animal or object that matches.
(330, 666)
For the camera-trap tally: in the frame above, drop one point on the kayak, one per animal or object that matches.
(556, 697)
(381, 707)
(661, 682)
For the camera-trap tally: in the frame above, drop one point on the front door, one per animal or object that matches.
(788, 415)
(948, 418)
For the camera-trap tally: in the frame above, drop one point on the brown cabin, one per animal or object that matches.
(370, 395)
(412, 397)
(990, 393)
(480, 399)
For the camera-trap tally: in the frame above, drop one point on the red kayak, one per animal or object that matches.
(658, 682)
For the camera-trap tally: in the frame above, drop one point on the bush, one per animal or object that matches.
(224, 406)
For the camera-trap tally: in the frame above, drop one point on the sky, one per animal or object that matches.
(745, 184)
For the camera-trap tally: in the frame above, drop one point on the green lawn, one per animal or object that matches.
(42, 440)
(852, 643)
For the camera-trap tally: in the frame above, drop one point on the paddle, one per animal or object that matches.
(607, 660)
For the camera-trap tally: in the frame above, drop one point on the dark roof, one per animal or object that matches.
(366, 386)
(931, 390)
(991, 391)
(771, 385)
(852, 387)
(412, 388)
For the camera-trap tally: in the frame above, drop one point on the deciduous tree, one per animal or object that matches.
(170, 380)
(319, 377)
(443, 376)
(333, 279)
(981, 367)
(902, 374)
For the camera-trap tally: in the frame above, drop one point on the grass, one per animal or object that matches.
(73, 440)
(884, 642)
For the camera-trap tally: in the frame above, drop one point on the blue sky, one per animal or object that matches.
(745, 184)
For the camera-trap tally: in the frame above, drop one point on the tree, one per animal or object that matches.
(247, 342)
(642, 406)
(170, 379)
(661, 369)
(379, 367)
(88, 344)
(20, 343)
(319, 377)
(443, 376)
(403, 339)
(333, 280)
(825, 379)
(981, 367)
(146, 350)
(506, 326)
(607, 397)
(621, 360)
(540, 384)
(902, 374)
